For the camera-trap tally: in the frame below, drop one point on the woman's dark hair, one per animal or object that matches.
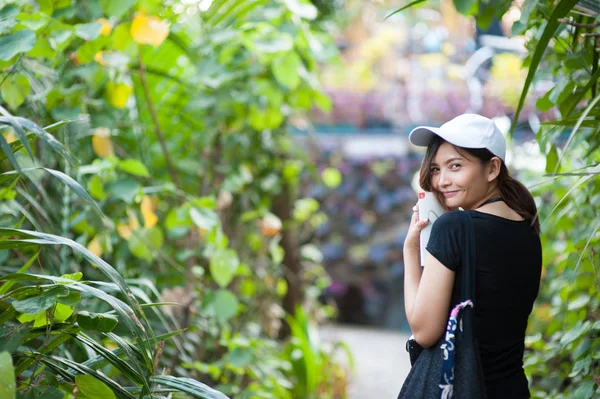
(513, 193)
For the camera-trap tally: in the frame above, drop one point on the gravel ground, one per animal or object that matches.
(380, 360)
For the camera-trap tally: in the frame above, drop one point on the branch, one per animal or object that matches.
(579, 25)
(154, 116)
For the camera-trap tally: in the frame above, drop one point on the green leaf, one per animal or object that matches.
(12, 336)
(561, 9)
(16, 43)
(134, 167)
(40, 303)
(467, 7)
(192, 387)
(204, 218)
(125, 189)
(90, 388)
(331, 177)
(224, 264)
(575, 332)
(585, 390)
(8, 387)
(552, 160)
(15, 90)
(312, 253)
(544, 103)
(42, 49)
(88, 31)
(282, 43)
(302, 8)
(102, 322)
(240, 357)
(116, 8)
(276, 251)
(223, 305)
(7, 18)
(144, 242)
(96, 188)
(286, 69)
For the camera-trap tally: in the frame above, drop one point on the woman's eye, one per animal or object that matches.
(455, 166)
(433, 170)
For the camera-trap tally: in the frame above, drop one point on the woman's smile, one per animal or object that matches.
(450, 194)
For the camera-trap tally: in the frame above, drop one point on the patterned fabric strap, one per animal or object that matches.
(447, 377)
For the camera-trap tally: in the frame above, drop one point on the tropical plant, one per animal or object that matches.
(38, 311)
(178, 114)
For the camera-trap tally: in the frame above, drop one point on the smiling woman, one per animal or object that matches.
(464, 167)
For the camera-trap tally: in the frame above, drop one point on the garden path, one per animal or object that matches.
(381, 362)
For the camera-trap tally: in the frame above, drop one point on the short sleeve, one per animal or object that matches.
(445, 240)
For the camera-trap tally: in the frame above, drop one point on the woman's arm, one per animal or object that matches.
(427, 292)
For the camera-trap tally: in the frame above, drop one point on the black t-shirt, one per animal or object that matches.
(508, 269)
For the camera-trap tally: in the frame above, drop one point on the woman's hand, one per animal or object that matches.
(414, 231)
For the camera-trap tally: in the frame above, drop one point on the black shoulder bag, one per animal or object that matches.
(451, 368)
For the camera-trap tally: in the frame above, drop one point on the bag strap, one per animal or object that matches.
(468, 272)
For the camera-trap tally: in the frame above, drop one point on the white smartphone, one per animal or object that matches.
(429, 208)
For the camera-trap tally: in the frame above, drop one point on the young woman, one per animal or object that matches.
(464, 166)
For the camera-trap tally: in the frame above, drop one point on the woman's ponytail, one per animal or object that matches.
(518, 198)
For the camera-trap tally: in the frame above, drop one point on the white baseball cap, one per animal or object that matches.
(467, 131)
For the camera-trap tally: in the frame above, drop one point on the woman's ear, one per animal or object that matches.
(494, 168)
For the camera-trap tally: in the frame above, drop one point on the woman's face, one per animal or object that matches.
(462, 181)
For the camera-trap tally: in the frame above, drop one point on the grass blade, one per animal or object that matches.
(414, 3)
(70, 182)
(187, 385)
(12, 121)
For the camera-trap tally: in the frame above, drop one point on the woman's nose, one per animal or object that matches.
(443, 179)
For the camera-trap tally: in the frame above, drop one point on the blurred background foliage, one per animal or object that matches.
(165, 129)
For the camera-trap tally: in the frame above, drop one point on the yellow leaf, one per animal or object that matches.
(117, 94)
(147, 208)
(106, 27)
(94, 246)
(149, 30)
(124, 231)
(133, 222)
(98, 58)
(10, 136)
(101, 142)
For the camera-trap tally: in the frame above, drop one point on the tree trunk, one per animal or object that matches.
(282, 208)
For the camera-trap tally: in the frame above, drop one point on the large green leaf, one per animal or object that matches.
(204, 218)
(12, 336)
(224, 264)
(102, 322)
(40, 302)
(7, 17)
(134, 167)
(7, 377)
(116, 8)
(286, 69)
(89, 31)
(15, 90)
(302, 8)
(90, 388)
(16, 43)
